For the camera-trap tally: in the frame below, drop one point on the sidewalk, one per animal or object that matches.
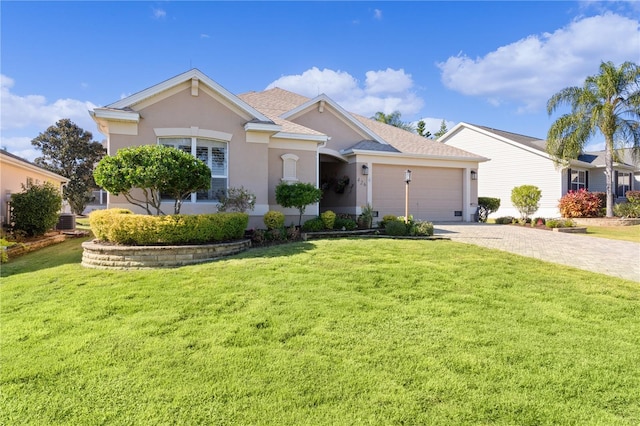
(611, 257)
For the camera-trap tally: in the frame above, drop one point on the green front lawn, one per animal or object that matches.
(327, 332)
(626, 233)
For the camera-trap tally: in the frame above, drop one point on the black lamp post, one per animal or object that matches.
(407, 179)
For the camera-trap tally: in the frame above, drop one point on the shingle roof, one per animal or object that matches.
(412, 143)
(531, 142)
(275, 102)
(598, 158)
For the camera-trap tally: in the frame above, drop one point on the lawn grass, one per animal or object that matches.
(324, 332)
(625, 233)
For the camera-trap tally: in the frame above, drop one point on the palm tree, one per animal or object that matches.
(608, 104)
(394, 120)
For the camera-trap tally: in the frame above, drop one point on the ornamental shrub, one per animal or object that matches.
(504, 220)
(313, 225)
(423, 228)
(580, 203)
(560, 223)
(273, 219)
(123, 227)
(389, 218)
(627, 209)
(35, 209)
(345, 223)
(328, 218)
(366, 217)
(236, 200)
(487, 205)
(396, 228)
(525, 198)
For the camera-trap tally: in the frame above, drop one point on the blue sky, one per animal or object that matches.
(488, 63)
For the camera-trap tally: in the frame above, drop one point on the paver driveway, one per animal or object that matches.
(611, 257)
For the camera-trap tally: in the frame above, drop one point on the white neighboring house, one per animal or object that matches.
(517, 160)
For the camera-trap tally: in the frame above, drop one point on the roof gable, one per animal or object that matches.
(323, 101)
(197, 77)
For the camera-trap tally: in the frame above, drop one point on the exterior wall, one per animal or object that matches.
(511, 166)
(597, 180)
(435, 194)
(15, 173)
(342, 135)
(254, 165)
(306, 171)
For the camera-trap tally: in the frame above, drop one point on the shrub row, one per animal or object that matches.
(396, 226)
(560, 223)
(121, 226)
(328, 221)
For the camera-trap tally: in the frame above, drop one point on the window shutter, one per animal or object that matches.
(615, 183)
(586, 180)
(568, 180)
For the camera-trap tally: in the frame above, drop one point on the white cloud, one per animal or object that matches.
(384, 90)
(388, 81)
(20, 146)
(530, 70)
(377, 14)
(203, 35)
(22, 118)
(159, 13)
(34, 110)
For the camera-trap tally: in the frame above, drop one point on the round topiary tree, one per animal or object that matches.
(155, 170)
(34, 211)
(525, 198)
(298, 195)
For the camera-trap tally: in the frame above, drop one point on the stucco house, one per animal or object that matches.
(522, 160)
(17, 173)
(258, 139)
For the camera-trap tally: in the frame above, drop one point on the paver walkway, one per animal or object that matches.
(611, 257)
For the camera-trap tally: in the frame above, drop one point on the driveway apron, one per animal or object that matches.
(611, 257)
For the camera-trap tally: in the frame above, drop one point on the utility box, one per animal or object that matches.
(66, 222)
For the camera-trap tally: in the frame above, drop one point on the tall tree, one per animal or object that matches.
(608, 104)
(394, 120)
(421, 129)
(69, 151)
(443, 129)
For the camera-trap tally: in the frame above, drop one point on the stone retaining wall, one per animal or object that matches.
(23, 248)
(605, 221)
(106, 256)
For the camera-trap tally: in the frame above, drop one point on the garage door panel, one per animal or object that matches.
(435, 194)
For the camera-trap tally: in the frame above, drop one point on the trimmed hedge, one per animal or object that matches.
(121, 226)
(313, 225)
(273, 219)
(328, 218)
(346, 223)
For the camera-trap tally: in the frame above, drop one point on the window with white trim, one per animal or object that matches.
(214, 154)
(289, 167)
(623, 184)
(578, 180)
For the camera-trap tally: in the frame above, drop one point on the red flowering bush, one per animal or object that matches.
(581, 203)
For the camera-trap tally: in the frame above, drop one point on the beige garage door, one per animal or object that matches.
(435, 194)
